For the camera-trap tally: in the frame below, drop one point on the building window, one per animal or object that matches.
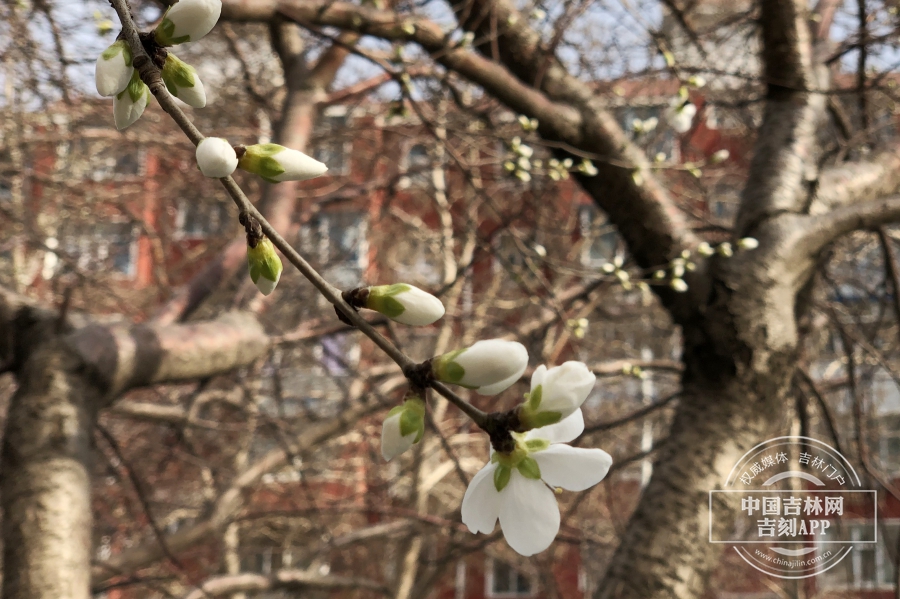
(339, 241)
(263, 560)
(600, 238)
(331, 144)
(107, 247)
(868, 565)
(100, 160)
(414, 259)
(505, 581)
(202, 219)
(418, 166)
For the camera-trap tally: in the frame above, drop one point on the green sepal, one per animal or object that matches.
(136, 89)
(119, 46)
(412, 419)
(534, 398)
(166, 30)
(263, 261)
(449, 371)
(259, 159)
(529, 468)
(537, 420)
(396, 410)
(501, 477)
(409, 423)
(381, 299)
(537, 444)
(177, 74)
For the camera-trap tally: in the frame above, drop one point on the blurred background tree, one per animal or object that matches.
(532, 165)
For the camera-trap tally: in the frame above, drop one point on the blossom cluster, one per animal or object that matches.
(533, 463)
(116, 77)
(530, 461)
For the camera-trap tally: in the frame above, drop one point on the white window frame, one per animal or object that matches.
(585, 224)
(339, 110)
(489, 583)
(881, 555)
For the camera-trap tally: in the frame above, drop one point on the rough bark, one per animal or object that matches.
(65, 378)
(46, 492)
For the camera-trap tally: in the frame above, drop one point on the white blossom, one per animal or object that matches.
(403, 428)
(680, 115)
(556, 393)
(748, 243)
(182, 81)
(489, 366)
(216, 157)
(405, 304)
(114, 69)
(265, 266)
(704, 249)
(276, 163)
(129, 104)
(188, 21)
(513, 487)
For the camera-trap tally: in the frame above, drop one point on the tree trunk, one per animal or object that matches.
(46, 478)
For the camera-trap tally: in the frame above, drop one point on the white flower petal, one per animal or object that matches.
(481, 503)
(113, 70)
(216, 158)
(499, 386)
(298, 166)
(565, 387)
(392, 442)
(529, 514)
(192, 19)
(193, 96)
(126, 112)
(572, 468)
(564, 431)
(267, 286)
(421, 308)
(492, 365)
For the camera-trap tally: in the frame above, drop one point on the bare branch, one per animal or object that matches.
(290, 580)
(826, 228)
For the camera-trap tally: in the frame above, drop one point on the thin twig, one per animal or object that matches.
(151, 76)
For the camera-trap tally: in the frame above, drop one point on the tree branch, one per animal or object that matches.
(126, 357)
(826, 228)
(290, 580)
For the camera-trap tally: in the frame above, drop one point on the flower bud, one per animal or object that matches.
(720, 156)
(405, 304)
(265, 266)
(182, 82)
(678, 285)
(216, 158)
(704, 249)
(114, 69)
(748, 243)
(556, 393)
(188, 21)
(403, 428)
(488, 367)
(725, 250)
(129, 104)
(276, 163)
